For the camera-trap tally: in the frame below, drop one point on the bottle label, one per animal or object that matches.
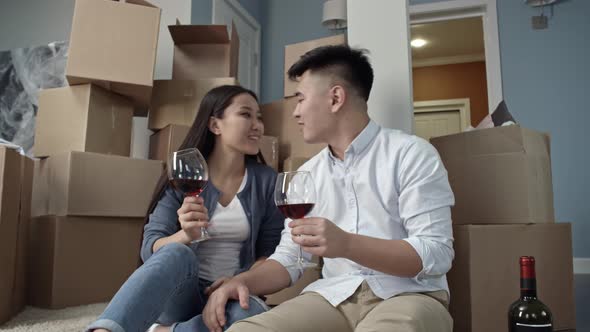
(533, 327)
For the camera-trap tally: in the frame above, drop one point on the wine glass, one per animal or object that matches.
(295, 197)
(188, 173)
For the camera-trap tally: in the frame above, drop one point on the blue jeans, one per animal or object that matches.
(166, 290)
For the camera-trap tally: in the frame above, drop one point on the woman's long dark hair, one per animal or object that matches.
(199, 136)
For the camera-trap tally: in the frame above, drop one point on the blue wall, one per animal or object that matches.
(546, 80)
(201, 11)
(286, 22)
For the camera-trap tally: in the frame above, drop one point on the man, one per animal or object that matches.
(381, 222)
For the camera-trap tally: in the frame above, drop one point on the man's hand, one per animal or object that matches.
(214, 311)
(320, 236)
(216, 285)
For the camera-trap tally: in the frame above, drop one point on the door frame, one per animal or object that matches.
(241, 11)
(445, 105)
(455, 9)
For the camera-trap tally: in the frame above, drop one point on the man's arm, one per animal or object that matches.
(427, 250)
(267, 278)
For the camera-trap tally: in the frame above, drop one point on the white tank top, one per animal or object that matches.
(229, 228)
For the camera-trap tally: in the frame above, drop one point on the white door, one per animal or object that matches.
(434, 118)
(224, 11)
(433, 124)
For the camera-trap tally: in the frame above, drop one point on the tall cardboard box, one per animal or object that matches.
(166, 141)
(81, 260)
(484, 279)
(19, 295)
(82, 118)
(177, 101)
(14, 195)
(499, 175)
(113, 44)
(279, 122)
(294, 51)
(204, 51)
(92, 184)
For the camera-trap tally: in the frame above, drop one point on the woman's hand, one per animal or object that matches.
(193, 215)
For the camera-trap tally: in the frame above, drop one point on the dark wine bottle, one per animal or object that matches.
(528, 314)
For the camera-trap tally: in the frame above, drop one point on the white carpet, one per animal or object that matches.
(73, 319)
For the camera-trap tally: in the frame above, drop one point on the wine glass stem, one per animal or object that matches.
(300, 257)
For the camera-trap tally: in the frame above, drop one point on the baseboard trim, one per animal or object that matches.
(581, 265)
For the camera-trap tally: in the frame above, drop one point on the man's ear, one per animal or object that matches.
(338, 95)
(214, 125)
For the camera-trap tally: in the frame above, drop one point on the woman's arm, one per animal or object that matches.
(163, 222)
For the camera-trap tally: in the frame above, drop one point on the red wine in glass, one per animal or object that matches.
(188, 173)
(189, 187)
(295, 211)
(295, 197)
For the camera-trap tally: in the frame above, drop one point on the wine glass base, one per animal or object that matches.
(201, 239)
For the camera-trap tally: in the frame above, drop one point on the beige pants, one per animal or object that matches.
(363, 311)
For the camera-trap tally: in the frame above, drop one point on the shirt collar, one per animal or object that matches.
(361, 141)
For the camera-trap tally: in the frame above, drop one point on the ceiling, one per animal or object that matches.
(451, 41)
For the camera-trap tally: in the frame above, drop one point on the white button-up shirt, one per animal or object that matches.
(390, 185)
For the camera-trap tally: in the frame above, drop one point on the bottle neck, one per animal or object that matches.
(528, 280)
(528, 288)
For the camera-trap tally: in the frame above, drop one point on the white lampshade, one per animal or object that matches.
(334, 14)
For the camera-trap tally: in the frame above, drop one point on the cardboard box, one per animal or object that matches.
(309, 275)
(279, 122)
(204, 51)
(269, 147)
(499, 175)
(92, 184)
(82, 118)
(166, 141)
(293, 163)
(484, 279)
(124, 64)
(81, 260)
(19, 295)
(15, 192)
(178, 101)
(294, 51)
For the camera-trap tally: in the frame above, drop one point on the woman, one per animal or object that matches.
(173, 283)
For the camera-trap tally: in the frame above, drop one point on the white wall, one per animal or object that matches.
(382, 27)
(26, 23)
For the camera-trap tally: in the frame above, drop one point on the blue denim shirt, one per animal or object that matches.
(265, 220)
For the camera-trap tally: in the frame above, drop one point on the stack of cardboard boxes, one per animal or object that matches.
(501, 178)
(292, 150)
(89, 197)
(16, 177)
(205, 56)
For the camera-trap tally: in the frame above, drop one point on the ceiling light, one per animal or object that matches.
(418, 42)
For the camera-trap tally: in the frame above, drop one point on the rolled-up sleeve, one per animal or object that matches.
(163, 221)
(431, 235)
(424, 204)
(287, 252)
